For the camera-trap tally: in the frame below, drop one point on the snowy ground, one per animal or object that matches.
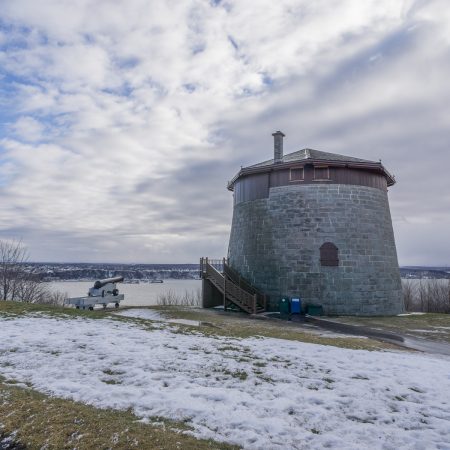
(259, 393)
(151, 314)
(138, 313)
(159, 316)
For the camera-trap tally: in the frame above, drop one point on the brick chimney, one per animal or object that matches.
(277, 146)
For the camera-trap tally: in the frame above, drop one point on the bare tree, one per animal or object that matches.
(427, 296)
(409, 295)
(12, 255)
(15, 282)
(55, 298)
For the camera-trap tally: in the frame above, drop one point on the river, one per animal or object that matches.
(142, 294)
(146, 294)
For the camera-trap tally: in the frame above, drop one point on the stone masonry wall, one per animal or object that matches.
(275, 243)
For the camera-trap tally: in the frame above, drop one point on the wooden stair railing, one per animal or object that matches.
(233, 275)
(245, 296)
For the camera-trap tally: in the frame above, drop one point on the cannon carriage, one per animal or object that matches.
(102, 293)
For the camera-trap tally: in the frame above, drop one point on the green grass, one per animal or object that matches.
(22, 308)
(430, 326)
(14, 309)
(239, 374)
(241, 326)
(45, 422)
(213, 324)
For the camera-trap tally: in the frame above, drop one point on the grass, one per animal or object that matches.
(38, 421)
(240, 374)
(21, 308)
(240, 326)
(214, 324)
(430, 326)
(171, 298)
(13, 309)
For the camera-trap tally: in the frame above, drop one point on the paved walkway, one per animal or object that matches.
(427, 346)
(423, 345)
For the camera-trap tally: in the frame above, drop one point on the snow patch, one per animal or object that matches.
(139, 313)
(149, 314)
(412, 314)
(259, 393)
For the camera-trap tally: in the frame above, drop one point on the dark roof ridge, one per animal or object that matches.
(310, 153)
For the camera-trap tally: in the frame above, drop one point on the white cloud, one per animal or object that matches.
(28, 129)
(125, 121)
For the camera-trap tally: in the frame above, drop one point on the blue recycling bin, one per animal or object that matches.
(296, 306)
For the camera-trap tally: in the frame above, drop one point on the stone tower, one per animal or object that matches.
(317, 225)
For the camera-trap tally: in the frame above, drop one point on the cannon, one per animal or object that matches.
(102, 293)
(104, 287)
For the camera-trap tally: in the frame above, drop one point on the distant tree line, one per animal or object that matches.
(424, 272)
(128, 274)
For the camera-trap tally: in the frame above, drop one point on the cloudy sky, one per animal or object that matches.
(121, 121)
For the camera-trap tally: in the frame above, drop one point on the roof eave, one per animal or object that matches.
(283, 165)
(389, 177)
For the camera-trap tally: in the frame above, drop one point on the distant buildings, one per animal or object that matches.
(89, 271)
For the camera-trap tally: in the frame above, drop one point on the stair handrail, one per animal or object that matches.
(240, 281)
(247, 300)
(235, 276)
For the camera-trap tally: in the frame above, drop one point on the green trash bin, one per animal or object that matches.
(315, 310)
(283, 306)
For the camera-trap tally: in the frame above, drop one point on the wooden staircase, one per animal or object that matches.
(234, 289)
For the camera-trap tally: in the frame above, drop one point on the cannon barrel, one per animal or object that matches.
(100, 283)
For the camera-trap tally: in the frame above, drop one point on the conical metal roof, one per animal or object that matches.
(314, 155)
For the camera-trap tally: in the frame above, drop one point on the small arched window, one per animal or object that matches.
(329, 255)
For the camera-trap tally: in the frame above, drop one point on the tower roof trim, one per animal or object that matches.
(309, 155)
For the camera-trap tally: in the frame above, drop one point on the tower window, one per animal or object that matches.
(329, 255)
(296, 174)
(321, 173)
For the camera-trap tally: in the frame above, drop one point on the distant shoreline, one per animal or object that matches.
(148, 272)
